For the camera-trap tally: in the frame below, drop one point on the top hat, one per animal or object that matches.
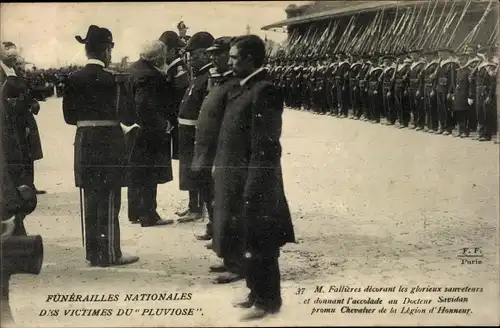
(96, 35)
(200, 40)
(221, 44)
(171, 40)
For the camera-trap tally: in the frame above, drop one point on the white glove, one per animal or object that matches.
(170, 127)
(470, 101)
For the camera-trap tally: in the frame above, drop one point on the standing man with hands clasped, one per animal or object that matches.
(248, 178)
(90, 103)
(227, 238)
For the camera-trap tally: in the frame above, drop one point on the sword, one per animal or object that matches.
(81, 217)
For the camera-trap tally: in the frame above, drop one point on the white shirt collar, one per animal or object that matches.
(95, 62)
(245, 80)
(9, 71)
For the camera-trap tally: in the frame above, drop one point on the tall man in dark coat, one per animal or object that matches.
(248, 178)
(188, 116)
(150, 159)
(90, 103)
(18, 102)
(221, 82)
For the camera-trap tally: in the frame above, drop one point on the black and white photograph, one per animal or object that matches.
(249, 163)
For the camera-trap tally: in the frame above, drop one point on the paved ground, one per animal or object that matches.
(372, 205)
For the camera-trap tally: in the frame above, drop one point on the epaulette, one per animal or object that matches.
(109, 71)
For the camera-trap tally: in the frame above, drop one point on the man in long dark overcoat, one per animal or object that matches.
(150, 161)
(188, 115)
(90, 102)
(220, 83)
(248, 178)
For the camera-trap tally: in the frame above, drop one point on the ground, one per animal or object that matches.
(371, 205)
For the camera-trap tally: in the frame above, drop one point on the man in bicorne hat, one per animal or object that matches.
(90, 103)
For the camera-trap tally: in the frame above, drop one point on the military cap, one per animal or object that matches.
(96, 35)
(171, 40)
(221, 44)
(487, 48)
(201, 40)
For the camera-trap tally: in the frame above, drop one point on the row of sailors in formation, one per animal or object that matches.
(432, 91)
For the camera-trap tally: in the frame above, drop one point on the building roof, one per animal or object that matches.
(335, 8)
(320, 10)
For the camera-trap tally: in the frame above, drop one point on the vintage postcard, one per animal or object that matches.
(270, 163)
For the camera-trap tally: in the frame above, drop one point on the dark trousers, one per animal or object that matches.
(402, 108)
(444, 114)
(486, 118)
(142, 201)
(203, 196)
(463, 119)
(418, 109)
(374, 104)
(389, 108)
(102, 228)
(264, 280)
(431, 110)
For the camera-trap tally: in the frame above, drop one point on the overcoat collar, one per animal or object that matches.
(251, 76)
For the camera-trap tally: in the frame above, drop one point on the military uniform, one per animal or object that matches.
(430, 95)
(416, 89)
(485, 100)
(388, 88)
(188, 115)
(462, 110)
(342, 84)
(354, 90)
(375, 92)
(443, 94)
(401, 94)
(91, 103)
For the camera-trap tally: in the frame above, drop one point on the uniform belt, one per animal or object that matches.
(184, 121)
(97, 123)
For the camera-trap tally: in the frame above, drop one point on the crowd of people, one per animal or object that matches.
(208, 103)
(435, 91)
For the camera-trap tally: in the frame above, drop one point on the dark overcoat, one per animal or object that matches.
(209, 122)
(248, 180)
(14, 113)
(90, 94)
(151, 158)
(189, 111)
